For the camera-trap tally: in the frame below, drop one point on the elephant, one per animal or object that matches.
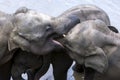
(79, 70)
(39, 40)
(23, 60)
(6, 61)
(93, 44)
(68, 19)
(6, 28)
(75, 15)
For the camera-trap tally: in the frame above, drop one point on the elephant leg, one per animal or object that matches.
(17, 71)
(44, 68)
(5, 71)
(61, 63)
(89, 74)
(31, 74)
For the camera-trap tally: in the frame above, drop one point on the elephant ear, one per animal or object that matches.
(12, 45)
(112, 28)
(64, 24)
(97, 59)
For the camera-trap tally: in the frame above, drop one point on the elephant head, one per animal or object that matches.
(32, 32)
(86, 43)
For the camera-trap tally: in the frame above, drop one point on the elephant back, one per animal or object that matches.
(87, 12)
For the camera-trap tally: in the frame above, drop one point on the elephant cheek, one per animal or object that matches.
(97, 60)
(35, 50)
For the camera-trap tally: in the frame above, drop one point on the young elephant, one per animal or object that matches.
(7, 24)
(26, 62)
(6, 61)
(33, 25)
(78, 69)
(93, 44)
(77, 14)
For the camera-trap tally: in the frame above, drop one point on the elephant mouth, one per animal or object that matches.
(58, 40)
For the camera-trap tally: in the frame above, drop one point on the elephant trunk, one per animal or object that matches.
(64, 24)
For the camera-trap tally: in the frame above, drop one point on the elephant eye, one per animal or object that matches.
(48, 28)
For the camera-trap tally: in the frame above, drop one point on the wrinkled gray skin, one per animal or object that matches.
(93, 44)
(29, 33)
(7, 25)
(6, 63)
(34, 37)
(80, 13)
(28, 62)
(30, 38)
(78, 69)
(32, 23)
(5, 56)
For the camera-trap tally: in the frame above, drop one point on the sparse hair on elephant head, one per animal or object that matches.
(21, 10)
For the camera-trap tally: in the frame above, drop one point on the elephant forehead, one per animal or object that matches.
(33, 15)
(31, 27)
(34, 31)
